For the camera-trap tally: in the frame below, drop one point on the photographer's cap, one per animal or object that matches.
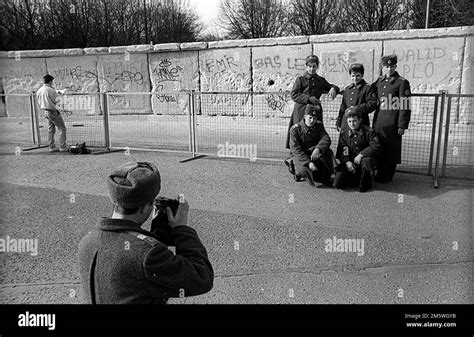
(134, 184)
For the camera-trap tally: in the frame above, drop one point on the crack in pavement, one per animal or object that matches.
(316, 271)
(343, 268)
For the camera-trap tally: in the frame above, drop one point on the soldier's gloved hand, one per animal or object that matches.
(314, 100)
(316, 154)
(312, 166)
(350, 166)
(181, 217)
(357, 159)
(333, 93)
(401, 131)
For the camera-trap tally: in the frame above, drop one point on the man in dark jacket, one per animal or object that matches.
(307, 89)
(358, 94)
(310, 152)
(121, 263)
(392, 117)
(357, 151)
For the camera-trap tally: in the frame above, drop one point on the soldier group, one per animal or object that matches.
(364, 154)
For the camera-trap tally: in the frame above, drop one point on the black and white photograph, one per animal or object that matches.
(219, 161)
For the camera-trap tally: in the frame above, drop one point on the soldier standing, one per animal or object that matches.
(359, 94)
(392, 117)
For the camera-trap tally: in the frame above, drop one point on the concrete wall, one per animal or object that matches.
(432, 60)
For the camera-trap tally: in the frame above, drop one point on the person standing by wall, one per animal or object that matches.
(358, 94)
(47, 99)
(391, 117)
(307, 89)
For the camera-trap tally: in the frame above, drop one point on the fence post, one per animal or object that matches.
(446, 135)
(32, 114)
(433, 135)
(193, 113)
(190, 119)
(106, 120)
(440, 134)
(35, 112)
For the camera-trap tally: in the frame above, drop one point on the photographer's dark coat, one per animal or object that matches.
(305, 87)
(393, 113)
(121, 263)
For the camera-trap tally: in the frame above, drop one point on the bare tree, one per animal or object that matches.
(173, 20)
(443, 13)
(44, 24)
(312, 17)
(373, 15)
(247, 19)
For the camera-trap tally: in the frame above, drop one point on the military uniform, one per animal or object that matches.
(392, 113)
(361, 95)
(305, 87)
(121, 263)
(362, 141)
(303, 141)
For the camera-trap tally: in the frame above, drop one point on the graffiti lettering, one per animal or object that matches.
(411, 55)
(220, 65)
(167, 72)
(277, 101)
(228, 100)
(418, 70)
(297, 64)
(267, 62)
(79, 74)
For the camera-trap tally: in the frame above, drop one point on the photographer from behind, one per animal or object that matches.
(121, 263)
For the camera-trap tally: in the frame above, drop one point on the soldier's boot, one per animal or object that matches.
(366, 181)
(291, 166)
(307, 174)
(338, 180)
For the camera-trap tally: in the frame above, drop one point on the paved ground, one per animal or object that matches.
(410, 230)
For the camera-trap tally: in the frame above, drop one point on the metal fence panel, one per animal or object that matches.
(251, 119)
(458, 149)
(166, 127)
(236, 125)
(419, 140)
(239, 124)
(82, 116)
(18, 130)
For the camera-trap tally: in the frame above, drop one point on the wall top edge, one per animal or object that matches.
(287, 40)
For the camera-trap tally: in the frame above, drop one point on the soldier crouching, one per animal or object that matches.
(121, 263)
(311, 158)
(357, 150)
